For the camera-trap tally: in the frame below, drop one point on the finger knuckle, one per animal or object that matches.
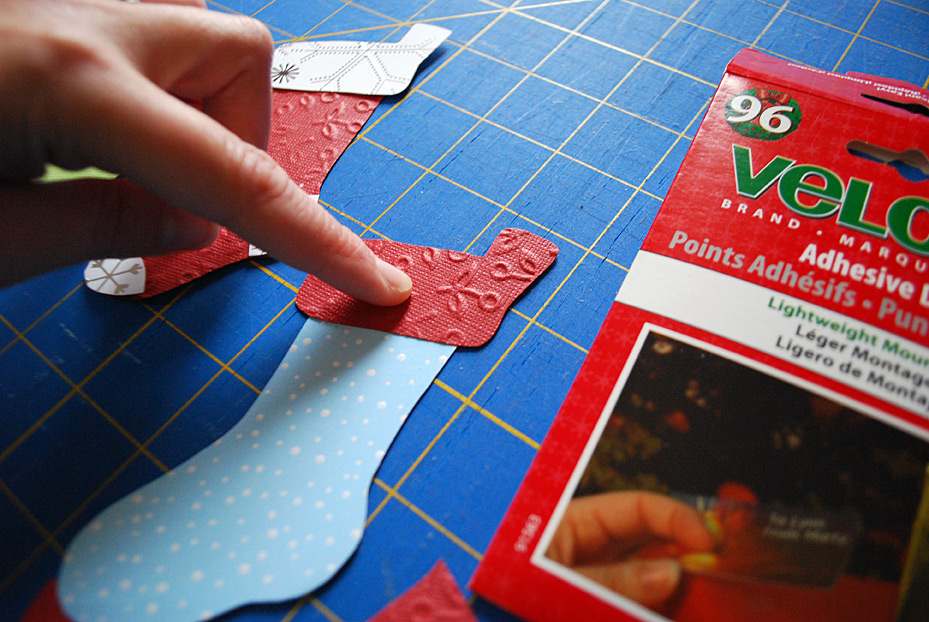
(61, 53)
(253, 36)
(345, 244)
(261, 182)
(342, 247)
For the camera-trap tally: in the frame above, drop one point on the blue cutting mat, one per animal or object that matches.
(567, 118)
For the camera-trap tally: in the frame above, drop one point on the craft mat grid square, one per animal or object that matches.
(109, 394)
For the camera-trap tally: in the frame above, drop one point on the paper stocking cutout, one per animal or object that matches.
(434, 598)
(353, 66)
(270, 510)
(457, 298)
(309, 131)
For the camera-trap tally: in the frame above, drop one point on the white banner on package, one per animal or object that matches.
(823, 341)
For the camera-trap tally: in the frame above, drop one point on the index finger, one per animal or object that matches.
(599, 524)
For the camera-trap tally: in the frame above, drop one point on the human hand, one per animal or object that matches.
(176, 99)
(600, 534)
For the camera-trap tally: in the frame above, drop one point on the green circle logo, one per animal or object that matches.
(763, 114)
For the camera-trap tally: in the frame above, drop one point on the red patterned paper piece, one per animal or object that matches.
(45, 607)
(434, 598)
(458, 299)
(309, 131)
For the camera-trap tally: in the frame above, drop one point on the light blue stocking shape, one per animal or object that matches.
(271, 510)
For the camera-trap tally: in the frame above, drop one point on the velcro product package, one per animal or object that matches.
(748, 438)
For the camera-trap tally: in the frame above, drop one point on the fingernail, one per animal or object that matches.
(397, 279)
(659, 575)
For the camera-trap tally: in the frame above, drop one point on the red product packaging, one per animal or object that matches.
(748, 438)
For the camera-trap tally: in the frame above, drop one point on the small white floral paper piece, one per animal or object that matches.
(116, 277)
(363, 68)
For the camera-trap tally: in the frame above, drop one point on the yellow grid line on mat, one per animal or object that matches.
(488, 199)
(520, 11)
(551, 332)
(642, 58)
(393, 494)
(39, 319)
(489, 415)
(76, 389)
(528, 139)
(44, 418)
(908, 6)
(488, 113)
(49, 538)
(782, 8)
(364, 132)
(323, 609)
(864, 23)
(853, 32)
(222, 366)
(533, 73)
(767, 26)
(142, 450)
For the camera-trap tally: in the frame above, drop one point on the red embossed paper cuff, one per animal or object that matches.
(458, 299)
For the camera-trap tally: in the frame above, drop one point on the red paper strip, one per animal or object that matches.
(434, 598)
(309, 131)
(457, 298)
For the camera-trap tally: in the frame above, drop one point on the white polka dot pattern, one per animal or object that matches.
(272, 509)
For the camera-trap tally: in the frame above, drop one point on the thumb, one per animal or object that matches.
(52, 225)
(649, 582)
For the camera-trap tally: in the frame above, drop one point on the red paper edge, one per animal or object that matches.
(45, 607)
(436, 585)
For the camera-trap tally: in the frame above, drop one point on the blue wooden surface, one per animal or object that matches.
(567, 118)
